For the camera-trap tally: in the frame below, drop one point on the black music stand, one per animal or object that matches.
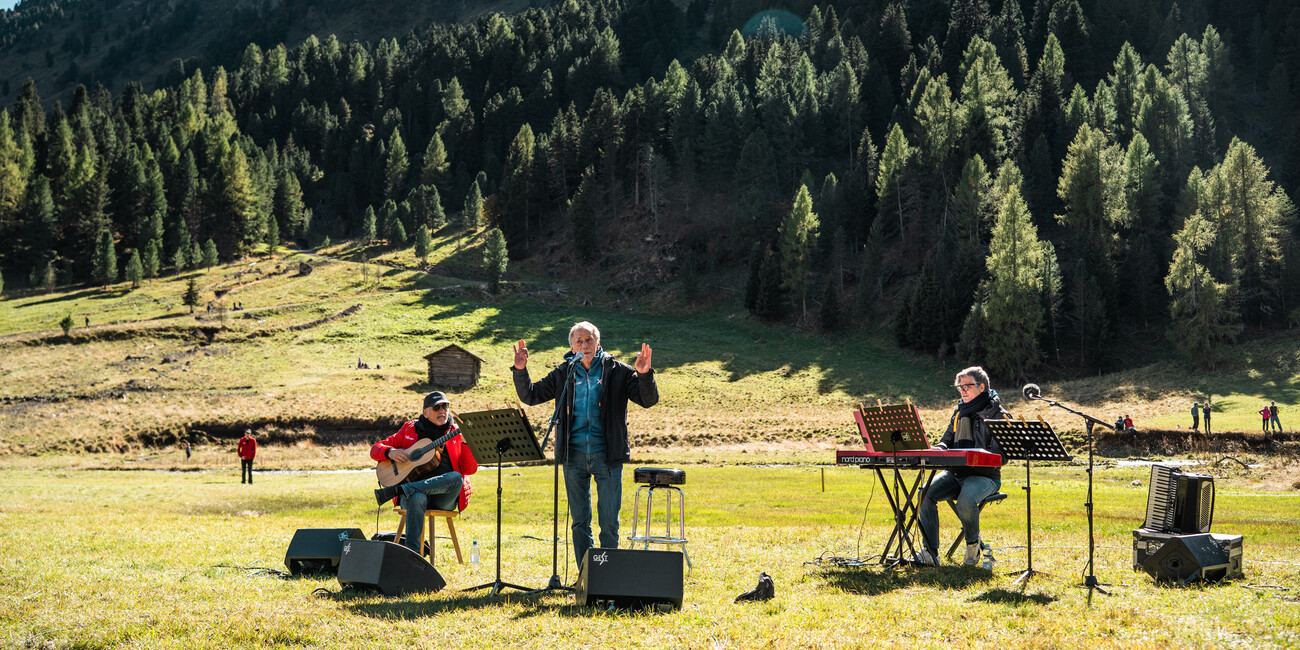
(508, 433)
(894, 428)
(1027, 441)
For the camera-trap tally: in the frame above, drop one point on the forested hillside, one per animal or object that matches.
(1022, 183)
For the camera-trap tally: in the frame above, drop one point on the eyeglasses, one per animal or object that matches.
(961, 388)
(440, 407)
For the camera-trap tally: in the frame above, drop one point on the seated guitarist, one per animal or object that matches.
(440, 483)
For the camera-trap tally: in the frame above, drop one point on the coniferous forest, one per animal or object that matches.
(1017, 182)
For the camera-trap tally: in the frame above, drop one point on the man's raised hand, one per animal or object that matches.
(643, 359)
(521, 355)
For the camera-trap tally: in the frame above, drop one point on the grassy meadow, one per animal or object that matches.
(114, 558)
(114, 538)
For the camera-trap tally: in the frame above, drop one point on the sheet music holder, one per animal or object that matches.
(507, 434)
(1027, 441)
(891, 427)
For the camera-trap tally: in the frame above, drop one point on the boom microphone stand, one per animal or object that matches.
(555, 584)
(1033, 392)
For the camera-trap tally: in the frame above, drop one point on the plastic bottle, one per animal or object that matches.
(473, 552)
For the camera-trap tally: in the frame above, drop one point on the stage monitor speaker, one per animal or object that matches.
(391, 568)
(316, 550)
(630, 578)
(1188, 558)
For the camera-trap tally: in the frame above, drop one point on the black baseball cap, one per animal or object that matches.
(435, 398)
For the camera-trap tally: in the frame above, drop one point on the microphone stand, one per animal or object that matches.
(555, 583)
(1089, 579)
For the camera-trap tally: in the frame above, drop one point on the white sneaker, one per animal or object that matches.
(924, 558)
(972, 554)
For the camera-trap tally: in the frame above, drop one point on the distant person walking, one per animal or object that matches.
(1205, 410)
(247, 451)
(1196, 416)
(1266, 414)
(1272, 410)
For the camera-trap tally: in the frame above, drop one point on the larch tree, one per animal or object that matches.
(798, 237)
(1014, 309)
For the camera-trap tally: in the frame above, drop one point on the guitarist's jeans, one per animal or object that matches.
(579, 469)
(440, 493)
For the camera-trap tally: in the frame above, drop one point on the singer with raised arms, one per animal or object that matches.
(591, 434)
(968, 485)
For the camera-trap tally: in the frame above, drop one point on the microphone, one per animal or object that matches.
(1031, 391)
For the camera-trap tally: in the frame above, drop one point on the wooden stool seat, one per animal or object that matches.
(429, 516)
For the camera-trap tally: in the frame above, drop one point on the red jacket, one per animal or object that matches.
(247, 448)
(462, 459)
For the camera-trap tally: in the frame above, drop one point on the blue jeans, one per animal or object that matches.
(439, 493)
(968, 491)
(1276, 423)
(579, 470)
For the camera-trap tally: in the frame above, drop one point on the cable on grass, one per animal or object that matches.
(840, 561)
(255, 570)
(1280, 587)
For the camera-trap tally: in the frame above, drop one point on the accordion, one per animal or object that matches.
(1178, 502)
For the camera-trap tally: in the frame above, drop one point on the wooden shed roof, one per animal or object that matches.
(457, 347)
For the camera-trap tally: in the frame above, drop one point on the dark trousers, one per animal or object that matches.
(245, 470)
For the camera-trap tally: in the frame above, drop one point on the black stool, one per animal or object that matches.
(656, 478)
(952, 503)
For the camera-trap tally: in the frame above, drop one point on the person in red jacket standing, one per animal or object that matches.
(247, 451)
(444, 482)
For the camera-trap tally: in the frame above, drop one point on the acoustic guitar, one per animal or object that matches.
(425, 454)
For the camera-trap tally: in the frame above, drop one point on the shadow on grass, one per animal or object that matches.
(96, 293)
(533, 605)
(1001, 596)
(874, 582)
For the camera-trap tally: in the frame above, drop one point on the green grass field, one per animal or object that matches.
(118, 558)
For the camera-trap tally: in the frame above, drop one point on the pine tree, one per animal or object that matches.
(516, 185)
(66, 324)
(890, 191)
(798, 236)
(472, 217)
(582, 215)
(422, 243)
(134, 272)
(1202, 317)
(435, 163)
(209, 254)
(495, 259)
(1014, 310)
(104, 270)
(191, 297)
(368, 225)
(272, 235)
(149, 261)
(395, 166)
(398, 235)
(179, 261)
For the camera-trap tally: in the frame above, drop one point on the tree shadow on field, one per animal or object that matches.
(1001, 596)
(97, 294)
(872, 582)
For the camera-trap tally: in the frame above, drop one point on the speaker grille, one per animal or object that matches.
(1206, 511)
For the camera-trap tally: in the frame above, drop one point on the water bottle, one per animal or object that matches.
(473, 552)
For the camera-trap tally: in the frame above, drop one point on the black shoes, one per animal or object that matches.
(766, 590)
(385, 494)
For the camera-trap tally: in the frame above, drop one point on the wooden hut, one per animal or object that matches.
(453, 366)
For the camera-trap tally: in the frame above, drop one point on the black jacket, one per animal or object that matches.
(980, 438)
(621, 383)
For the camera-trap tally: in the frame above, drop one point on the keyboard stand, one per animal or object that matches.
(903, 501)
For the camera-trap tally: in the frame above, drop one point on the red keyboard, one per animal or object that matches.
(919, 458)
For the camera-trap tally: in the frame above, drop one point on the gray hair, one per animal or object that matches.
(976, 373)
(584, 325)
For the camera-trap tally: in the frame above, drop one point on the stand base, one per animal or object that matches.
(555, 584)
(1023, 580)
(1090, 582)
(498, 587)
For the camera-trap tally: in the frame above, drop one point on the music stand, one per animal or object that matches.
(894, 428)
(508, 433)
(1027, 441)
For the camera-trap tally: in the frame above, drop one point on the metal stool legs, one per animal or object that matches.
(667, 538)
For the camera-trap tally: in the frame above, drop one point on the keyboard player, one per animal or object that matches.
(968, 485)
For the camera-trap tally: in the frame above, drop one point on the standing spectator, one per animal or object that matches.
(187, 451)
(247, 451)
(1266, 414)
(1272, 410)
(1205, 410)
(1196, 416)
